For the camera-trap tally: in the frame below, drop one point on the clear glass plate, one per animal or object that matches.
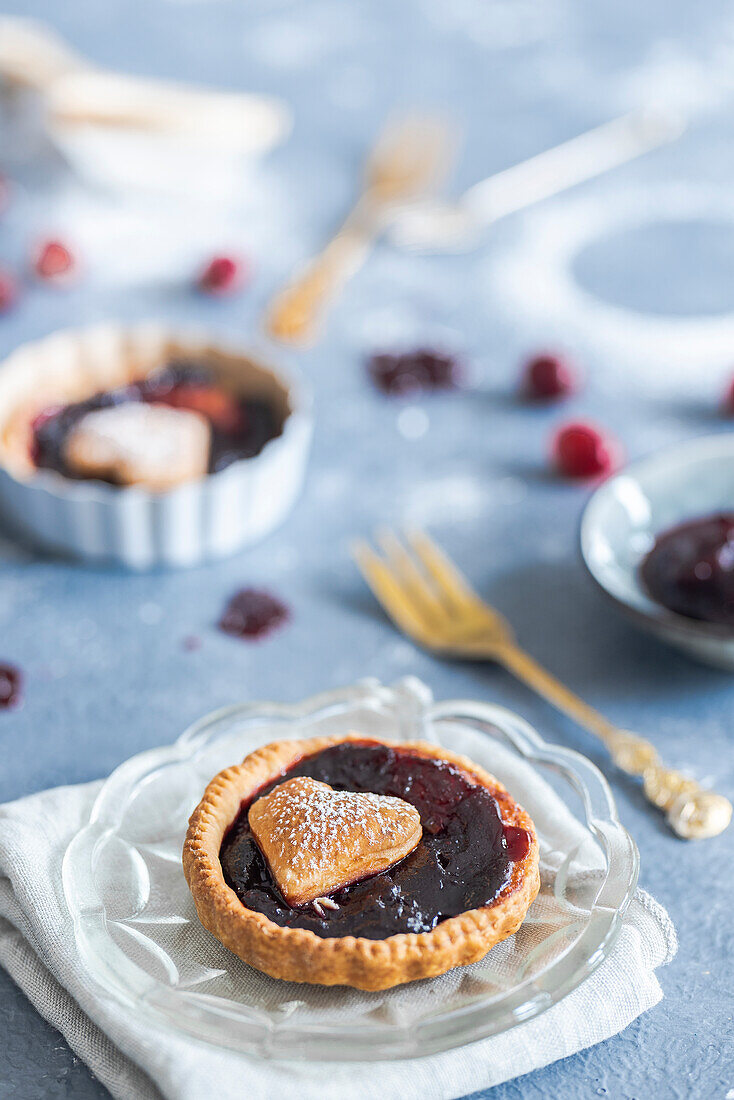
(138, 934)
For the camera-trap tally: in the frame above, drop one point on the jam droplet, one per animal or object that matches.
(517, 842)
(414, 372)
(10, 686)
(251, 613)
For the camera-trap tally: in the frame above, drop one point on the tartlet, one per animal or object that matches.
(160, 520)
(478, 853)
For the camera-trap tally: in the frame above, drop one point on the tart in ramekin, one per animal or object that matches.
(147, 447)
(348, 860)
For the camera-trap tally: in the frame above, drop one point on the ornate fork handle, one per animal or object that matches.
(406, 161)
(433, 603)
(294, 312)
(692, 811)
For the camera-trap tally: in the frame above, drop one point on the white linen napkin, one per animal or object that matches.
(137, 1062)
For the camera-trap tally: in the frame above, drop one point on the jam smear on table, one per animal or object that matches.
(414, 371)
(463, 861)
(690, 569)
(11, 682)
(240, 426)
(251, 613)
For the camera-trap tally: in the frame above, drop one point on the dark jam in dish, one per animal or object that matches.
(10, 687)
(690, 569)
(240, 426)
(251, 613)
(463, 861)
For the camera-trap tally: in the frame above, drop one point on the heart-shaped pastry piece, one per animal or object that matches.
(153, 446)
(316, 839)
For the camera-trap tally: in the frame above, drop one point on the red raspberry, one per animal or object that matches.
(11, 683)
(53, 261)
(8, 291)
(546, 377)
(220, 408)
(44, 416)
(583, 451)
(222, 275)
(729, 399)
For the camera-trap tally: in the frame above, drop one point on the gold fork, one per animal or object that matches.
(430, 600)
(408, 159)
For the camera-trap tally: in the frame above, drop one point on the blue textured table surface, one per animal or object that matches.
(107, 674)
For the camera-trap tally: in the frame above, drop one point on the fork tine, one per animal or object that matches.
(417, 583)
(452, 584)
(411, 155)
(388, 591)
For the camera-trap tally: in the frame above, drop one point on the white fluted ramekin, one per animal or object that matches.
(133, 527)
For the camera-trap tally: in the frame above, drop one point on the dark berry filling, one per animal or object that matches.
(240, 426)
(463, 861)
(414, 371)
(251, 613)
(690, 569)
(10, 686)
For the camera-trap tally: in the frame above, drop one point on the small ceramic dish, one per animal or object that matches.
(627, 513)
(160, 137)
(132, 526)
(127, 133)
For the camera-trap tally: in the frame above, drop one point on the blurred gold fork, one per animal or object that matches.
(430, 600)
(408, 158)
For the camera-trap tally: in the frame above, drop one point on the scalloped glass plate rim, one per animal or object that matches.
(201, 1015)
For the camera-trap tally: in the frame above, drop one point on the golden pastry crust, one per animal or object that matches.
(299, 955)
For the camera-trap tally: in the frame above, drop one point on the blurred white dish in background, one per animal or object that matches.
(535, 276)
(125, 160)
(32, 55)
(124, 131)
(129, 133)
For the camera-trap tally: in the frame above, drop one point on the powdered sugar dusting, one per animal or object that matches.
(310, 827)
(317, 818)
(149, 434)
